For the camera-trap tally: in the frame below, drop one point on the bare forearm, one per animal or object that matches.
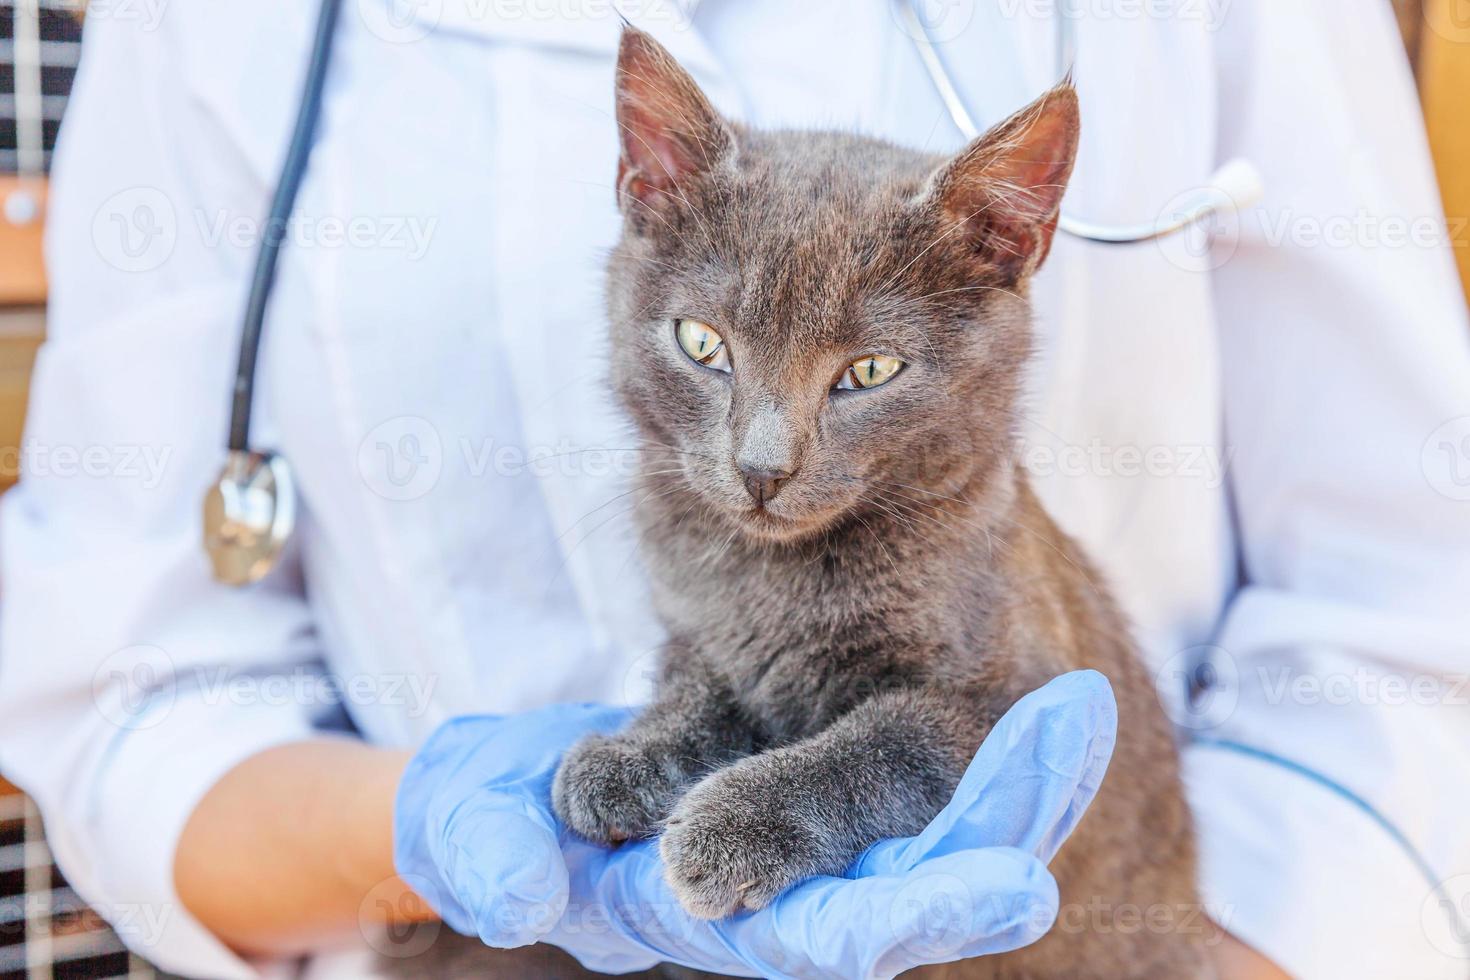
(294, 847)
(1237, 961)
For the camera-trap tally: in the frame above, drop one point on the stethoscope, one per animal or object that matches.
(250, 510)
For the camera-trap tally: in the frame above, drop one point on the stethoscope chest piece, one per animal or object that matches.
(248, 515)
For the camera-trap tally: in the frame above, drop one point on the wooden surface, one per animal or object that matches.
(21, 331)
(1444, 84)
(22, 276)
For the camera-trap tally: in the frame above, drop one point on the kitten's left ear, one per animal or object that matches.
(670, 133)
(1004, 191)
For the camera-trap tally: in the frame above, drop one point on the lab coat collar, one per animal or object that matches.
(590, 26)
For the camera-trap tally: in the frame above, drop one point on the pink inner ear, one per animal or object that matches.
(669, 130)
(1006, 189)
(1041, 161)
(660, 160)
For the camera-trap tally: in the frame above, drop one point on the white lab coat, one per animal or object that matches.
(1253, 442)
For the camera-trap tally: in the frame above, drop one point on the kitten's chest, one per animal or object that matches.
(799, 643)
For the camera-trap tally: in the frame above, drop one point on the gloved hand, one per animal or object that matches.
(475, 834)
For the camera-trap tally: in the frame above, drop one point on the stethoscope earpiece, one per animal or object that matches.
(248, 515)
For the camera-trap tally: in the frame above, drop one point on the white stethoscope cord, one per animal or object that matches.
(1234, 186)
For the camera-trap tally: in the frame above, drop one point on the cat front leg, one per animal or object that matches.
(611, 788)
(742, 835)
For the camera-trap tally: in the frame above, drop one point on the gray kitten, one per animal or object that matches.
(821, 339)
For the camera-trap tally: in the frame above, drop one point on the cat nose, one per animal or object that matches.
(763, 484)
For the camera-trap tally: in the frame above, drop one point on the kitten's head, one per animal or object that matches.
(805, 320)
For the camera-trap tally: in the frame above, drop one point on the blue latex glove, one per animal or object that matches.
(476, 836)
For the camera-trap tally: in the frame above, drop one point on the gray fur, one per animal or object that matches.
(839, 651)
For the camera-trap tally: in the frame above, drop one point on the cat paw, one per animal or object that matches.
(609, 790)
(729, 844)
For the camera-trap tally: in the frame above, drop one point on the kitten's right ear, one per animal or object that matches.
(669, 131)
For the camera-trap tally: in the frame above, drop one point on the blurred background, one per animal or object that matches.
(45, 931)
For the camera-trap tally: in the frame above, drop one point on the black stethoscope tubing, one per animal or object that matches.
(282, 204)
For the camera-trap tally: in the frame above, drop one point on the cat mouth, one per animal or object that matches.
(764, 523)
(760, 517)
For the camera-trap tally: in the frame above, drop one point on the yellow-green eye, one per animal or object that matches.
(702, 344)
(869, 372)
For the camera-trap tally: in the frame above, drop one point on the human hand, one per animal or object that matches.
(475, 826)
